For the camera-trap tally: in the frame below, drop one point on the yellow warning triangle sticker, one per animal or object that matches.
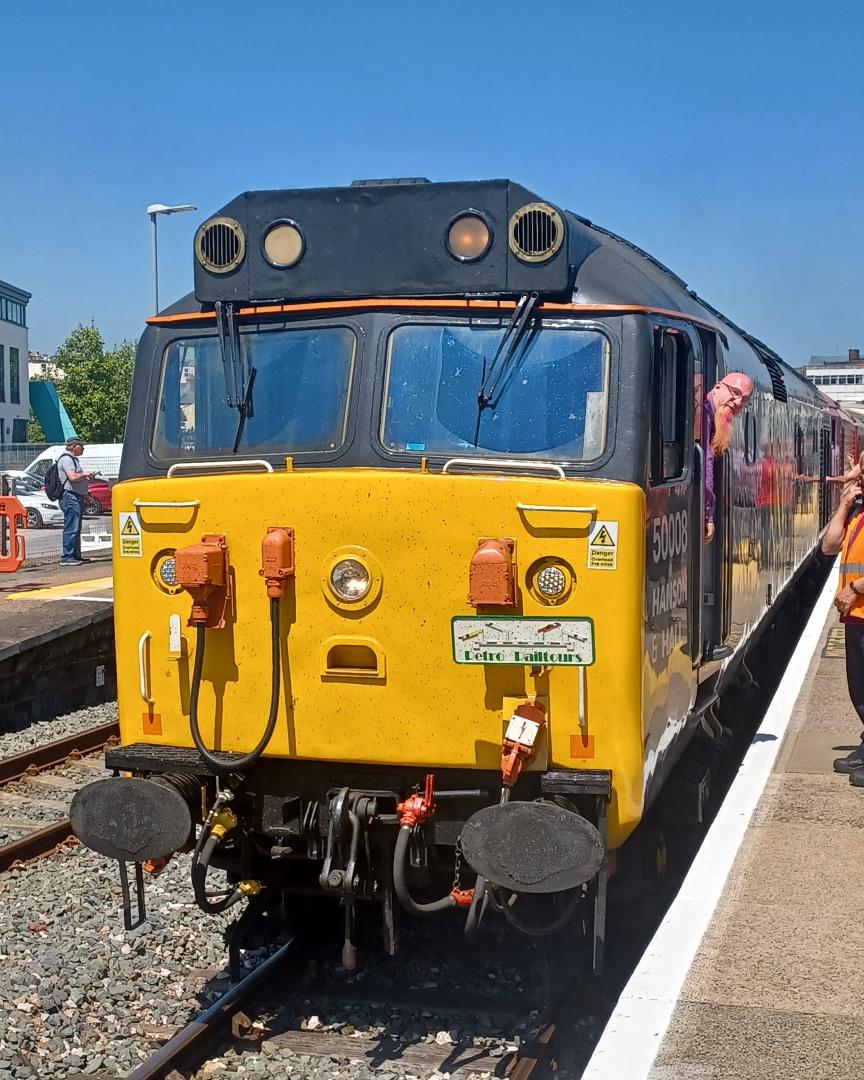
(130, 528)
(602, 538)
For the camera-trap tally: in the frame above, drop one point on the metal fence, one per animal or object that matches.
(19, 455)
(45, 545)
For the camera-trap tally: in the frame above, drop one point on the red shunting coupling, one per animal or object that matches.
(277, 559)
(418, 808)
(521, 739)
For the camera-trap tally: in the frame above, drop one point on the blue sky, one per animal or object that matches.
(723, 136)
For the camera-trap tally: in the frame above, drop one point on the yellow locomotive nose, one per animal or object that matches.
(409, 631)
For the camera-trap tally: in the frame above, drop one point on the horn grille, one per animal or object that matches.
(536, 232)
(220, 245)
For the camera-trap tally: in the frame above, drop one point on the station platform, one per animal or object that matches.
(56, 639)
(757, 971)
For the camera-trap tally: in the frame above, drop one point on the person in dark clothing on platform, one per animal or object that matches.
(845, 533)
(75, 484)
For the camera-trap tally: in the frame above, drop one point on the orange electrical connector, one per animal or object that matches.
(277, 559)
(521, 739)
(492, 574)
(202, 570)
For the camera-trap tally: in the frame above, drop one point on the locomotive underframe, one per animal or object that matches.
(304, 828)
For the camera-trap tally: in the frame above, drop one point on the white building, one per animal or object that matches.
(43, 366)
(14, 382)
(840, 377)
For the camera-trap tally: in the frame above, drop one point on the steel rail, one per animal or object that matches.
(187, 1049)
(35, 844)
(57, 752)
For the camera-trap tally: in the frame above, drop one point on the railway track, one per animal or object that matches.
(241, 1018)
(30, 766)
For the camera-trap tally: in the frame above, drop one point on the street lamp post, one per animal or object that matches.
(154, 210)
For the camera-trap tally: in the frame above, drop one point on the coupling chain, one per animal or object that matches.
(457, 865)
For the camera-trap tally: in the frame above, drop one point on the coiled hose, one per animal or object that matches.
(400, 861)
(220, 768)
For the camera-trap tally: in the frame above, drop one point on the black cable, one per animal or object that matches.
(400, 858)
(220, 768)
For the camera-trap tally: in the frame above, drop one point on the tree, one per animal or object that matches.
(96, 384)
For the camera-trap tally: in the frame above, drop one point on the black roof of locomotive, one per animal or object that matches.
(600, 268)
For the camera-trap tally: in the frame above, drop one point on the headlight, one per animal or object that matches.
(468, 237)
(349, 580)
(551, 581)
(168, 572)
(283, 244)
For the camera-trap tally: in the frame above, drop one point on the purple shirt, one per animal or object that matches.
(707, 425)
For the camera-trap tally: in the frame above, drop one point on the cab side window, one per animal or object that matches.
(669, 405)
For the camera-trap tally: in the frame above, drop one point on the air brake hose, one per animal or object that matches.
(207, 844)
(400, 859)
(220, 768)
(552, 927)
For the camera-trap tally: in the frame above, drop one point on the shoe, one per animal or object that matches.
(852, 763)
(82, 559)
(77, 562)
(856, 779)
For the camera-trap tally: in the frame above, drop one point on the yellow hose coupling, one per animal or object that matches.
(250, 888)
(224, 821)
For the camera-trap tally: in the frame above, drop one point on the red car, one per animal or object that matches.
(98, 499)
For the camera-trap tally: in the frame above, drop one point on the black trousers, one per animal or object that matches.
(855, 664)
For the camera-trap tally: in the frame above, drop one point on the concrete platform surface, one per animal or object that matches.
(777, 985)
(41, 602)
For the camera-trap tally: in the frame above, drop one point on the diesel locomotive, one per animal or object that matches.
(413, 607)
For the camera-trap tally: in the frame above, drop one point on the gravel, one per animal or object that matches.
(30, 804)
(81, 996)
(78, 994)
(17, 740)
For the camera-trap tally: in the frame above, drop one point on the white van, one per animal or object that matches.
(101, 458)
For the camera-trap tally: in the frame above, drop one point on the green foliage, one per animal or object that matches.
(35, 434)
(96, 384)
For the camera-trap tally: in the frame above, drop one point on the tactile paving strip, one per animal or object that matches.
(835, 644)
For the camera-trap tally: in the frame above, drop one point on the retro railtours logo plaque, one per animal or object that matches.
(512, 639)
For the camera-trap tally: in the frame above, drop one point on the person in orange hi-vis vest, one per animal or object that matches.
(845, 534)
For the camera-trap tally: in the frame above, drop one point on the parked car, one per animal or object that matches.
(31, 494)
(98, 499)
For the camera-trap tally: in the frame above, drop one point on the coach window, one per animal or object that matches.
(669, 405)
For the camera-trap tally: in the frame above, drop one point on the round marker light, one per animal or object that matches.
(168, 572)
(349, 580)
(283, 244)
(468, 238)
(551, 582)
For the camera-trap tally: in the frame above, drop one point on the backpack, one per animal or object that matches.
(54, 486)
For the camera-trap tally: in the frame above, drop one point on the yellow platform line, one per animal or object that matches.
(62, 592)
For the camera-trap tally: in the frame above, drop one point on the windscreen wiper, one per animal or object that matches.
(245, 407)
(493, 374)
(229, 346)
